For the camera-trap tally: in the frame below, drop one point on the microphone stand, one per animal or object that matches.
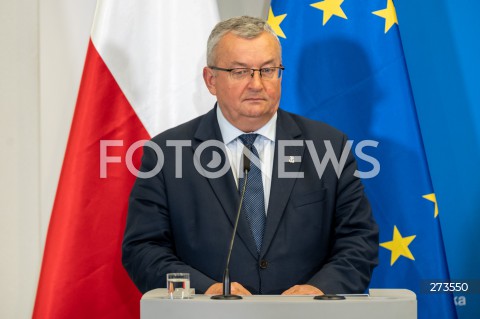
(226, 275)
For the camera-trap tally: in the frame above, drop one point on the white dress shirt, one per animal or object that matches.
(265, 145)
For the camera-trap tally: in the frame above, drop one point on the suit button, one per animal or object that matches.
(263, 264)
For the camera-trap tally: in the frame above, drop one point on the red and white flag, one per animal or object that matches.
(142, 75)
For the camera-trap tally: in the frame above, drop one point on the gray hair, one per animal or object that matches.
(245, 27)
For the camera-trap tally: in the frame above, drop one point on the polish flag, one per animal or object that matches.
(142, 75)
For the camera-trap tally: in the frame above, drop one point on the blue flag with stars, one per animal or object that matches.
(344, 65)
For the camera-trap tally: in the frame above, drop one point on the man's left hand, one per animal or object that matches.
(303, 290)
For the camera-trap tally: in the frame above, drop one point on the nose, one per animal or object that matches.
(255, 82)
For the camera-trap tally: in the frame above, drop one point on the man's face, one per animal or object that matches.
(248, 103)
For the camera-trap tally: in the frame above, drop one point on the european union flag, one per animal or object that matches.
(345, 66)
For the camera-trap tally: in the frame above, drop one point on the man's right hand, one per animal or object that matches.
(237, 289)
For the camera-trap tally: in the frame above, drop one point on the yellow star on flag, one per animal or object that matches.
(330, 8)
(399, 246)
(431, 197)
(389, 14)
(274, 22)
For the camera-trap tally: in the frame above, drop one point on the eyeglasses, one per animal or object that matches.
(243, 73)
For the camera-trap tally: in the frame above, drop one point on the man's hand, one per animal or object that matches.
(237, 289)
(303, 290)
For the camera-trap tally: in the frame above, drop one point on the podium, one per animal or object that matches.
(378, 304)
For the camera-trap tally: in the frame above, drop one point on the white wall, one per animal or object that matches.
(20, 156)
(41, 59)
(43, 46)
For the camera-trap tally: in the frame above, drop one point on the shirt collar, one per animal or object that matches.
(230, 132)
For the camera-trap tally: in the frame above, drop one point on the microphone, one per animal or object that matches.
(226, 275)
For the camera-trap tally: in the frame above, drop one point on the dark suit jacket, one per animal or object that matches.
(319, 231)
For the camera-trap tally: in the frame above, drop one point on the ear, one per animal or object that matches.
(210, 80)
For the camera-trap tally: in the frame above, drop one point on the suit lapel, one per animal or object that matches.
(281, 188)
(224, 186)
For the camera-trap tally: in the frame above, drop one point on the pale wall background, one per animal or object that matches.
(43, 47)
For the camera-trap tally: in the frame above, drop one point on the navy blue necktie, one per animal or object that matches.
(254, 201)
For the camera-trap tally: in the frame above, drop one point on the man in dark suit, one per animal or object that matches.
(305, 228)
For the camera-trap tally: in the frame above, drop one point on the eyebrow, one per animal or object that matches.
(244, 65)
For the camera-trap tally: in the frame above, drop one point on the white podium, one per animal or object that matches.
(379, 304)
